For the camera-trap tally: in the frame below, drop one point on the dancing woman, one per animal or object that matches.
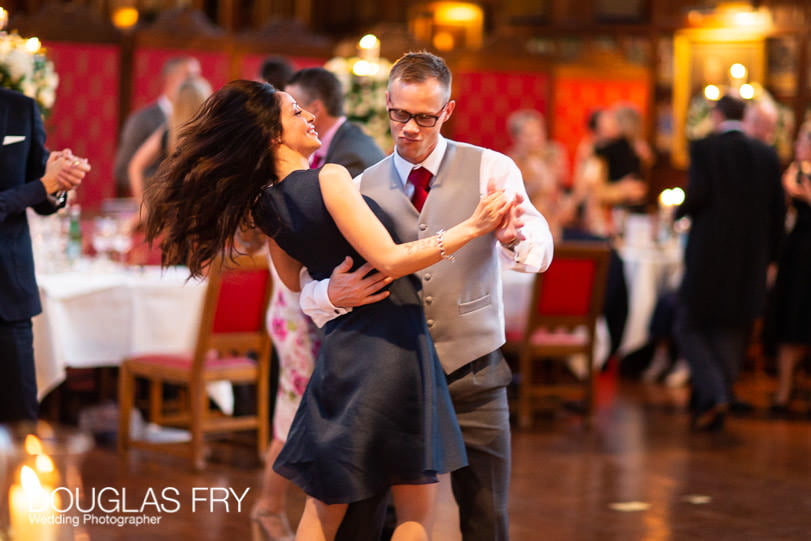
(376, 413)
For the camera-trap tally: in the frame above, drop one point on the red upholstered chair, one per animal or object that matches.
(566, 301)
(232, 345)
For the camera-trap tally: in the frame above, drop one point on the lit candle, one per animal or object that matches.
(31, 513)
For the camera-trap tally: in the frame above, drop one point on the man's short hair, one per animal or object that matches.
(418, 67)
(174, 63)
(517, 120)
(276, 70)
(731, 108)
(320, 84)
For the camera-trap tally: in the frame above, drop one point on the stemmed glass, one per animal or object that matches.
(122, 239)
(104, 229)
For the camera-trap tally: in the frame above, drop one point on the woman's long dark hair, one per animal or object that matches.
(203, 193)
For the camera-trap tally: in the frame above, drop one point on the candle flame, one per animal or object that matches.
(45, 464)
(29, 480)
(33, 445)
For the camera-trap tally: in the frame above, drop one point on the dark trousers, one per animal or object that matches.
(715, 356)
(18, 382)
(479, 394)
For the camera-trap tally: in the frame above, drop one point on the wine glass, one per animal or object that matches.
(122, 239)
(104, 229)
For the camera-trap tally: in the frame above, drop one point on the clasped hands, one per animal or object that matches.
(365, 285)
(64, 171)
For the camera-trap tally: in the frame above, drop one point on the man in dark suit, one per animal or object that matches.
(143, 122)
(319, 92)
(28, 178)
(735, 203)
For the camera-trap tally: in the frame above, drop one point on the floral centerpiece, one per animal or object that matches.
(364, 79)
(25, 68)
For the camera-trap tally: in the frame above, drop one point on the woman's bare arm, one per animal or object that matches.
(289, 269)
(373, 242)
(147, 153)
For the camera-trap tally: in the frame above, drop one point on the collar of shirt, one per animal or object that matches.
(431, 163)
(730, 125)
(165, 105)
(326, 140)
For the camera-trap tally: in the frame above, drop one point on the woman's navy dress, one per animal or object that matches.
(377, 410)
(793, 285)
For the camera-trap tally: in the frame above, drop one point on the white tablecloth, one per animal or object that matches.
(97, 317)
(650, 270)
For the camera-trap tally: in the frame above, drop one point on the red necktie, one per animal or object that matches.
(420, 177)
(316, 162)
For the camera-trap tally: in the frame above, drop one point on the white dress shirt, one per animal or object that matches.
(533, 254)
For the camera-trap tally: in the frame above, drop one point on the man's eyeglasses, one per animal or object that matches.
(422, 119)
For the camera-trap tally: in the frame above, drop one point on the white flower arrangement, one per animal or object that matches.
(25, 68)
(365, 95)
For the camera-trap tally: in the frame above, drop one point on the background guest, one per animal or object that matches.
(143, 122)
(629, 121)
(624, 183)
(760, 120)
(276, 70)
(544, 167)
(607, 175)
(319, 92)
(735, 203)
(29, 177)
(190, 95)
(792, 290)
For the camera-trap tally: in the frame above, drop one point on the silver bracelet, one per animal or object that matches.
(440, 240)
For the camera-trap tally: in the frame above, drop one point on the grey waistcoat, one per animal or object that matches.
(462, 299)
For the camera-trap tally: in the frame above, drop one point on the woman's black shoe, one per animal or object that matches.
(778, 410)
(710, 420)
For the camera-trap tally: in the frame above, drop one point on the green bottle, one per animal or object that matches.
(73, 250)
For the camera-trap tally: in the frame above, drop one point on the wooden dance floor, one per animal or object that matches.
(637, 474)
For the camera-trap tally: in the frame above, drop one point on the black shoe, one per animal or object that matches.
(779, 411)
(739, 407)
(710, 420)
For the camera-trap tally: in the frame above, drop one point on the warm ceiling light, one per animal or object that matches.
(3, 18)
(712, 92)
(444, 41)
(125, 17)
(738, 71)
(369, 41)
(453, 12)
(747, 91)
